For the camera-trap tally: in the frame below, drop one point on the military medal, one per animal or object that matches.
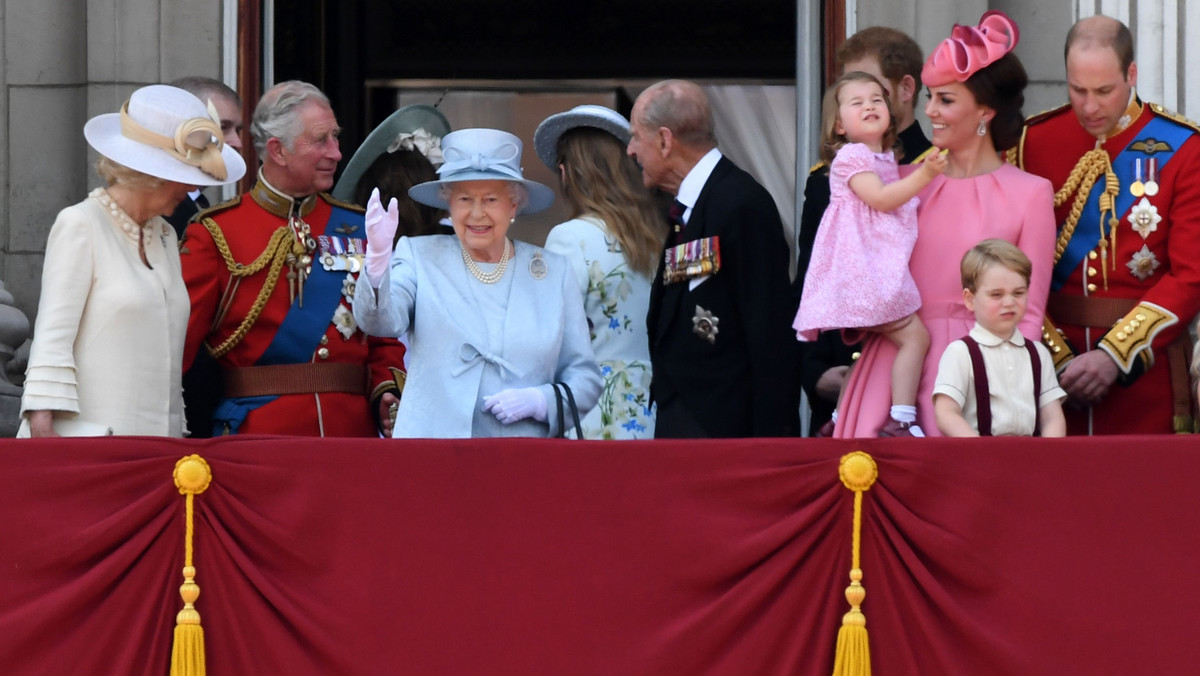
(1152, 176)
(704, 324)
(692, 260)
(1144, 218)
(537, 266)
(1137, 188)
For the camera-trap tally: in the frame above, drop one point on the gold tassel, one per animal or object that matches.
(853, 656)
(192, 476)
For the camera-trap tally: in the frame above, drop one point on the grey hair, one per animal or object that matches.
(278, 114)
(517, 192)
(682, 107)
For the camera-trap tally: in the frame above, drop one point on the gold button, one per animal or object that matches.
(1135, 323)
(324, 340)
(1091, 272)
(1092, 255)
(1120, 335)
(1091, 287)
(323, 352)
(1140, 317)
(1057, 349)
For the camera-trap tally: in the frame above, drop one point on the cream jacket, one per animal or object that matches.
(107, 346)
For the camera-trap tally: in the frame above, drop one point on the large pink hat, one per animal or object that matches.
(970, 48)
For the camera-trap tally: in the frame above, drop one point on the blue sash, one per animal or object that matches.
(1087, 231)
(301, 329)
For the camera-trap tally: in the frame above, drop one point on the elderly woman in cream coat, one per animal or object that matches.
(493, 324)
(108, 342)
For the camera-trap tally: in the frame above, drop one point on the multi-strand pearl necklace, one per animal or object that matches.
(487, 277)
(132, 229)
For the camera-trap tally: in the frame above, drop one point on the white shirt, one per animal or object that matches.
(1009, 376)
(693, 183)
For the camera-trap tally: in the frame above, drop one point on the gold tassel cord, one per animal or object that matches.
(192, 477)
(1087, 171)
(858, 472)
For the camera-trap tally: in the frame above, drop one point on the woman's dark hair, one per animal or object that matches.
(394, 173)
(1001, 87)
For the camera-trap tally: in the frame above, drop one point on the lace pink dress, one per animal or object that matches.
(858, 275)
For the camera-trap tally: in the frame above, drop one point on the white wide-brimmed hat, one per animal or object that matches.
(481, 155)
(167, 133)
(545, 139)
(417, 126)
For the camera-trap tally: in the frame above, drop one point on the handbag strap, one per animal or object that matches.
(558, 405)
(570, 397)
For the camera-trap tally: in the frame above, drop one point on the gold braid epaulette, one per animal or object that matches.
(349, 206)
(278, 248)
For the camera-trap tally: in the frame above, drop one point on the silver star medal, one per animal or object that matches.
(1144, 218)
(704, 324)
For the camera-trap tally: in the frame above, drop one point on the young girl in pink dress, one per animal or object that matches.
(858, 277)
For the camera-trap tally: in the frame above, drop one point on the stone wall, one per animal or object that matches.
(63, 62)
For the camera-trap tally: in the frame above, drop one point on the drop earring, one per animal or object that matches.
(981, 130)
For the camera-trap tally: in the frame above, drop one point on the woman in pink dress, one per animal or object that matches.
(976, 89)
(859, 263)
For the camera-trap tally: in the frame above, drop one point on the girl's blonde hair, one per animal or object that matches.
(831, 141)
(599, 178)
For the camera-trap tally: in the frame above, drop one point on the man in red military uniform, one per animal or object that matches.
(271, 275)
(1127, 278)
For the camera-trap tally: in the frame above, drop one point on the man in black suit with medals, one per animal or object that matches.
(721, 342)
(896, 60)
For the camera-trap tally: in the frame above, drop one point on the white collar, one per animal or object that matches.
(693, 183)
(985, 337)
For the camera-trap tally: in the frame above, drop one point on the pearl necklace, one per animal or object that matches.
(487, 277)
(133, 230)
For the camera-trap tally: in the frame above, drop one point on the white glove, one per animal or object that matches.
(381, 230)
(515, 404)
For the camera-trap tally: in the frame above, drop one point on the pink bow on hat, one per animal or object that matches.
(970, 48)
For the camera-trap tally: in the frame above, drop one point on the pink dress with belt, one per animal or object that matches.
(954, 215)
(858, 276)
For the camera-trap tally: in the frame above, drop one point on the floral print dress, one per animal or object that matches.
(615, 300)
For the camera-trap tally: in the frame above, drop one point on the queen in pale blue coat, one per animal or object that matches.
(492, 323)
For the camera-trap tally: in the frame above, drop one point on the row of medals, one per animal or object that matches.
(1149, 188)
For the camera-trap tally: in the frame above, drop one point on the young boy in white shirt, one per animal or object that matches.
(994, 382)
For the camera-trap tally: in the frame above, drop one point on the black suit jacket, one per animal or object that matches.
(203, 387)
(182, 215)
(742, 384)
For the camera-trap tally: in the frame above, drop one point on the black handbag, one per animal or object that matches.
(558, 402)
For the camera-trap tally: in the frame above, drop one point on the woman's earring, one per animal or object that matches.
(982, 129)
(512, 220)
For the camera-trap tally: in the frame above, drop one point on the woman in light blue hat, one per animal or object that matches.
(613, 242)
(496, 327)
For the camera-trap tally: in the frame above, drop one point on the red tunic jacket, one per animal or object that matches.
(1157, 276)
(221, 301)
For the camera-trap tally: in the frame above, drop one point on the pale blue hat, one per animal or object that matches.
(545, 139)
(481, 155)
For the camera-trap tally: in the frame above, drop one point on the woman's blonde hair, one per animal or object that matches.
(831, 141)
(115, 172)
(599, 179)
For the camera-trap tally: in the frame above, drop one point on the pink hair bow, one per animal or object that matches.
(970, 48)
